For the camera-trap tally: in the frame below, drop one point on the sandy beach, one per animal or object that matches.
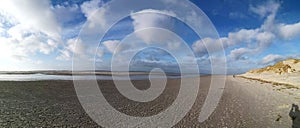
(245, 103)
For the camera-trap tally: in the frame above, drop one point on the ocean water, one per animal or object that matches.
(39, 77)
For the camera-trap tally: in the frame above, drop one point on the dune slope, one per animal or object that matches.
(286, 72)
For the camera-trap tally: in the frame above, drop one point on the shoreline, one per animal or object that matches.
(289, 86)
(75, 73)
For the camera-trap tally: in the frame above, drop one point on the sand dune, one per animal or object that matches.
(286, 72)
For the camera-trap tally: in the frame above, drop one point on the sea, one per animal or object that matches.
(42, 77)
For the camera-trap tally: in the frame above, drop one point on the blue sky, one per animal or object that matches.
(43, 35)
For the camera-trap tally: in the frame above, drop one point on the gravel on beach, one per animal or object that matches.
(245, 103)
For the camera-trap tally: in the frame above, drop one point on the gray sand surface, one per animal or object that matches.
(244, 103)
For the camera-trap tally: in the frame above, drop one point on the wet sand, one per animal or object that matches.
(245, 103)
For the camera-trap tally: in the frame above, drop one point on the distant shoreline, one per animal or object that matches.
(103, 73)
(59, 75)
(80, 72)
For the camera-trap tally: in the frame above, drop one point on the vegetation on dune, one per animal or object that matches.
(296, 61)
(279, 67)
(282, 73)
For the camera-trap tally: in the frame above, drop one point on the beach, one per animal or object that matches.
(53, 103)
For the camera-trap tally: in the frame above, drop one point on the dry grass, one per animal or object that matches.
(279, 67)
(296, 61)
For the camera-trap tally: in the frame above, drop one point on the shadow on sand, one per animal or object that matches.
(295, 115)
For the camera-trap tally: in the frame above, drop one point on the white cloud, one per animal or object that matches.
(234, 38)
(93, 12)
(37, 30)
(240, 36)
(289, 31)
(100, 52)
(35, 13)
(74, 46)
(264, 39)
(18, 31)
(66, 13)
(149, 18)
(34, 27)
(201, 46)
(154, 27)
(96, 16)
(29, 45)
(64, 55)
(265, 9)
(272, 58)
(28, 28)
(260, 39)
(254, 40)
(111, 45)
(237, 54)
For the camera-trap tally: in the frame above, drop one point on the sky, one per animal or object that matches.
(47, 34)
